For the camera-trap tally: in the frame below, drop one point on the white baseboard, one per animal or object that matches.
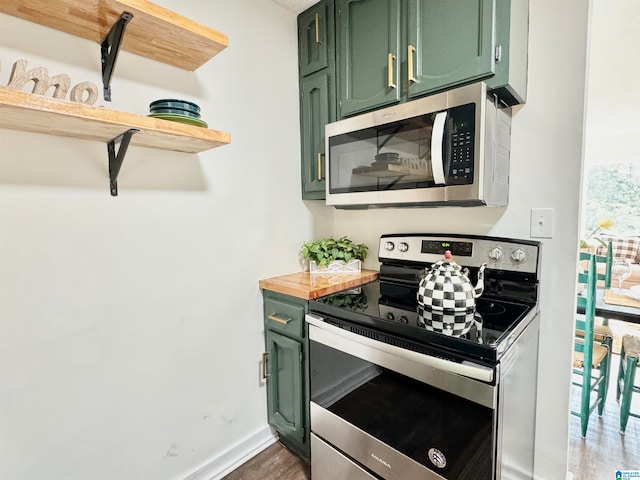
(228, 461)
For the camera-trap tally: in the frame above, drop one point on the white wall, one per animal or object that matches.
(131, 326)
(545, 172)
(613, 99)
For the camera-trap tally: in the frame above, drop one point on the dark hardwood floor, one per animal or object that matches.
(604, 450)
(275, 462)
(596, 457)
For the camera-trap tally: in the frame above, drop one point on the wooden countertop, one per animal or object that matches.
(306, 286)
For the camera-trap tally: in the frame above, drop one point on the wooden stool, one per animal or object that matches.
(629, 357)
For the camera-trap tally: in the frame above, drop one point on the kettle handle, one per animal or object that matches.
(479, 288)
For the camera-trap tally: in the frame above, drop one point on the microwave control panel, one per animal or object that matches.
(461, 127)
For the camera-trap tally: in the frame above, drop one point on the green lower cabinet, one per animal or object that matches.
(286, 370)
(284, 384)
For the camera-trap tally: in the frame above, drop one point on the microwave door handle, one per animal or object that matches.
(437, 139)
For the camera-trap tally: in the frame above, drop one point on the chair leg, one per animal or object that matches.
(604, 368)
(625, 406)
(585, 402)
(609, 342)
(620, 375)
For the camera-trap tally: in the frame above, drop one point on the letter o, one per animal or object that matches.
(78, 93)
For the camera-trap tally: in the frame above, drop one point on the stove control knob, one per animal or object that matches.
(403, 246)
(389, 316)
(496, 254)
(404, 319)
(518, 256)
(388, 246)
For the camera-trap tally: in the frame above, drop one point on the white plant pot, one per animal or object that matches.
(337, 266)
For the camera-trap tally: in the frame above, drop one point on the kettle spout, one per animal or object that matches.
(479, 288)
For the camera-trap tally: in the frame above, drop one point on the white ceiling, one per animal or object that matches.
(296, 6)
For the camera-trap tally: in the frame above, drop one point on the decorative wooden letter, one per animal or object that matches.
(40, 76)
(77, 93)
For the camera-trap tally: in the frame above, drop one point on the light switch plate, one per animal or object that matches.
(542, 222)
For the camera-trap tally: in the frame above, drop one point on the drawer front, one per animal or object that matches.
(328, 463)
(284, 317)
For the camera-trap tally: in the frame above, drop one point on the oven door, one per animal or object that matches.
(399, 413)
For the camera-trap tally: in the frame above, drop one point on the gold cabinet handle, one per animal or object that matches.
(410, 51)
(278, 319)
(390, 58)
(317, 28)
(265, 375)
(319, 165)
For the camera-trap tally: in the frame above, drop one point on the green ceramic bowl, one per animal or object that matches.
(173, 117)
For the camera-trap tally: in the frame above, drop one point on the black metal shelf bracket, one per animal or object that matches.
(109, 49)
(116, 159)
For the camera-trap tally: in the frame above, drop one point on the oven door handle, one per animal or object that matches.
(328, 334)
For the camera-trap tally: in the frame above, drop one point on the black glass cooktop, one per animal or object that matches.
(393, 308)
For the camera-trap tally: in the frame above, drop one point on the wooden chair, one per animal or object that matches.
(602, 330)
(591, 357)
(607, 261)
(626, 387)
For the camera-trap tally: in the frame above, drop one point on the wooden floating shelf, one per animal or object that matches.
(394, 171)
(154, 32)
(41, 114)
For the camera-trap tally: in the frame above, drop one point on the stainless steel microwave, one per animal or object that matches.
(450, 148)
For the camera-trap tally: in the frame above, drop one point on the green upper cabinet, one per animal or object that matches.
(361, 55)
(315, 113)
(316, 47)
(368, 54)
(391, 51)
(314, 27)
(509, 83)
(448, 43)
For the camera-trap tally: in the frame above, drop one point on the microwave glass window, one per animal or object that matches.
(424, 151)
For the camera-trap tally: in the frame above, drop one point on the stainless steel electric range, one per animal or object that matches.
(398, 394)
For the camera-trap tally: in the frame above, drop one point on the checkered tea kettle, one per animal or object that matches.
(452, 324)
(447, 287)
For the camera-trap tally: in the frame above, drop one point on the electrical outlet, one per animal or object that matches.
(542, 222)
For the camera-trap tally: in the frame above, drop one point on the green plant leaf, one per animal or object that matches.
(328, 249)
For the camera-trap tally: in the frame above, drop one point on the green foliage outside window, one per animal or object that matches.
(613, 192)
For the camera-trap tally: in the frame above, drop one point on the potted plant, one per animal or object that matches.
(331, 255)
